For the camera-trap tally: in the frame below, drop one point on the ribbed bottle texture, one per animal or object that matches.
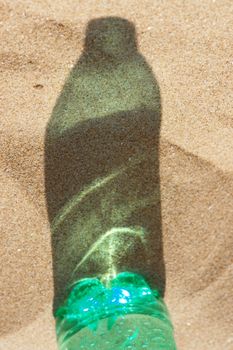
(125, 313)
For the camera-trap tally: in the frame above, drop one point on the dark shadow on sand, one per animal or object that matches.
(102, 161)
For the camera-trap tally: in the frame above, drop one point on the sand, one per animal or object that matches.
(189, 47)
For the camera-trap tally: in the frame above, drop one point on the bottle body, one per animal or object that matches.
(120, 313)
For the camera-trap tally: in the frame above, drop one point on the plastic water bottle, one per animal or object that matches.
(123, 313)
(105, 211)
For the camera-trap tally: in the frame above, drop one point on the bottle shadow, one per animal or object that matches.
(102, 163)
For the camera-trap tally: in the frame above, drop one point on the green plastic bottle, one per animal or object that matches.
(124, 313)
(103, 195)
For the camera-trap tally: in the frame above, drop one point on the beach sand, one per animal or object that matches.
(189, 47)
